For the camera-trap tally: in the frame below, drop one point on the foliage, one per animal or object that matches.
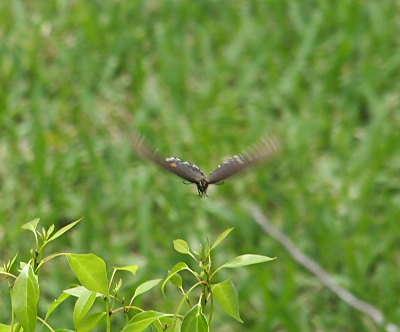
(91, 272)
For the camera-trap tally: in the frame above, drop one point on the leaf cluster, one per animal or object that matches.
(94, 285)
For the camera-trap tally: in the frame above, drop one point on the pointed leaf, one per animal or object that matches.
(140, 321)
(176, 280)
(178, 325)
(195, 321)
(146, 286)
(131, 268)
(76, 291)
(221, 238)
(90, 322)
(90, 271)
(181, 246)
(50, 230)
(247, 260)
(56, 303)
(10, 264)
(226, 295)
(25, 296)
(64, 229)
(178, 267)
(82, 307)
(43, 233)
(31, 225)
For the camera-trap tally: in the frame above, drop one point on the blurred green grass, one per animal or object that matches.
(204, 80)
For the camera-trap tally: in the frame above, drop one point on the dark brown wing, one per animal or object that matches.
(185, 170)
(265, 148)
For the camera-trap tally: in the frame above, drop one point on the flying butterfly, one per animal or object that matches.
(267, 147)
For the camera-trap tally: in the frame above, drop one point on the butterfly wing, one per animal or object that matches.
(267, 147)
(185, 170)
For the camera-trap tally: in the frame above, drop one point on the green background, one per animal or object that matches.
(203, 80)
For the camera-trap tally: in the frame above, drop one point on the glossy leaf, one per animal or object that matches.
(221, 238)
(178, 325)
(76, 291)
(246, 260)
(195, 321)
(88, 323)
(131, 268)
(140, 321)
(90, 271)
(181, 246)
(82, 307)
(56, 303)
(31, 225)
(146, 286)
(9, 264)
(25, 296)
(176, 280)
(226, 296)
(64, 229)
(178, 267)
(6, 328)
(50, 230)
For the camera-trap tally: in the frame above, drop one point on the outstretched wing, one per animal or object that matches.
(185, 170)
(267, 147)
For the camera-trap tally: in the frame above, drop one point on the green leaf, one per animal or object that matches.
(142, 320)
(90, 271)
(178, 325)
(90, 322)
(146, 286)
(25, 296)
(178, 267)
(176, 280)
(181, 246)
(50, 230)
(161, 323)
(56, 303)
(195, 321)
(63, 330)
(246, 260)
(75, 291)
(64, 229)
(226, 295)
(31, 225)
(82, 307)
(131, 268)
(6, 328)
(9, 264)
(221, 238)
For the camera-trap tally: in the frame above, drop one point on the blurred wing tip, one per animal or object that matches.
(267, 146)
(139, 144)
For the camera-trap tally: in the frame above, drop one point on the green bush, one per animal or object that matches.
(91, 272)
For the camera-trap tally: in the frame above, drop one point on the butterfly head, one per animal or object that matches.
(202, 186)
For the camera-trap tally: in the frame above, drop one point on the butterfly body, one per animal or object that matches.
(189, 172)
(267, 147)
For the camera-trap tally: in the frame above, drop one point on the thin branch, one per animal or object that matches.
(375, 314)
